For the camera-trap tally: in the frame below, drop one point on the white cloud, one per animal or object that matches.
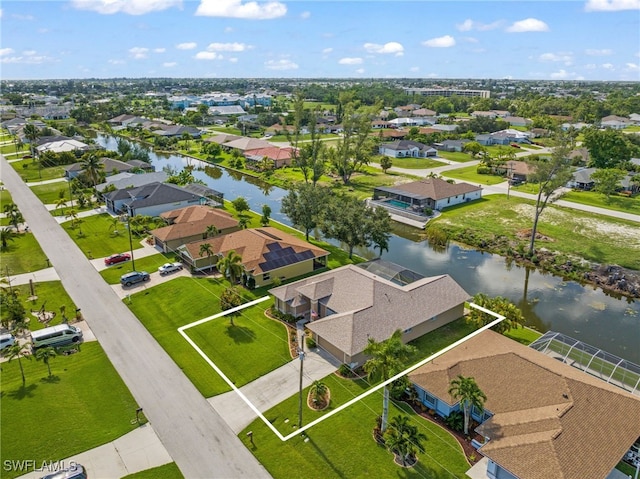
(131, 7)
(0, 12)
(116, 62)
(528, 25)
(6, 51)
(169, 64)
(228, 30)
(228, 47)
(305, 15)
(607, 66)
(138, 53)
(207, 56)
(469, 39)
(414, 69)
(440, 42)
(598, 52)
(360, 71)
(561, 75)
(591, 66)
(280, 65)
(611, 5)
(237, 9)
(632, 67)
(27, 59)
(391, 47)
(566, 58)
(326, 51)
(29, 53)
(186, 46)
(469, 25)
(159, 50)
(350, 61)
(233, 60)
(28, 18)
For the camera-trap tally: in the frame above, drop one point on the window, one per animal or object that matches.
(428, 398)
(407, 330)
(266, 276)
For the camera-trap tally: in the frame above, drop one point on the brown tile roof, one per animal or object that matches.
(193, 220)
(379, 307)
(550, 420)
(256, 245)
(435, 188)
(520, 168)
(272, 152)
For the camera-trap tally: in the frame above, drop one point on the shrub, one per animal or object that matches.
(437, 236)
(483, 170)
(455, 420)
(345, 370)
(427, 211)
(311, 343)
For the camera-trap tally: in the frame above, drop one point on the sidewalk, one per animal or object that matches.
(136, 451)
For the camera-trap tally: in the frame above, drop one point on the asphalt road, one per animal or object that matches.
(196, 436)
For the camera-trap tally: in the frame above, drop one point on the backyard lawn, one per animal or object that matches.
(469, 175)
(83, 405)
(253, 347)
(94, 236)
(23, 255)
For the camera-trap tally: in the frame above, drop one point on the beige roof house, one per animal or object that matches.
(350, 304)
(550, 420)
(267, 253)
(190, 224)
(245, 144)
(223, 138)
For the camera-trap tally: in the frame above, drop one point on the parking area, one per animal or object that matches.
(154, 279)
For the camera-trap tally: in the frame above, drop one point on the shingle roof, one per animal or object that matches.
(272, 152)
(193, 220)
(245, 143)
(152, 194)
(220, 139)
(124, 180)
(550, 420)
(377, 310)
(262, 249)
(434, 188)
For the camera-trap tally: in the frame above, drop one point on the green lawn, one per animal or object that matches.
(523, 335)
(51, 192)
(343, 446)
(5, 197)
(468, 174)
(29, 171)
(52, 295)
(83, 405)
(10, 149)
(307, 137)
(257, 343)
(456, 156)
(415, 163)
(23, 255)
(97, 239)
(168, 471)
(587, 235)
(617, 203)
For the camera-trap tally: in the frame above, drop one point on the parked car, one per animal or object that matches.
(76, 471)
(6, 340)
(515, 145)
(134, 277)
(117, 258)
(169, 268)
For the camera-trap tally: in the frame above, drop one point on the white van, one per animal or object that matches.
(60, 335)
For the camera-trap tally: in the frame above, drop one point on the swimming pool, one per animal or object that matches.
(399, 204)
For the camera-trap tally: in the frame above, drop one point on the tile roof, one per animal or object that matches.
(193, 220)
(245, 143)
(272, 152)
(377, 310)
(550, 420)
(152, 194)
(220, 139)
(262, 249)
(434, 188)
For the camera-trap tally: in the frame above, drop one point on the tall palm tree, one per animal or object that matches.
(6, 235)
(18, 351)
(92, 166)
(32, 134)
(231, 266)
(387, 358)
(469, 394)
(205, 248)
(13, 213)
(404, 439)
(45, 355)
(61, 203)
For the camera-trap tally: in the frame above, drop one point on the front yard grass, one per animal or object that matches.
(50, 193)
(253, 347)
(616, 203)
(97, 239)
(168, 471)
(343, 445)
(83, 405)
(468, 174)
(594, 237)
(29, 170)
(458, 156)
(23, 255)
(415, 163)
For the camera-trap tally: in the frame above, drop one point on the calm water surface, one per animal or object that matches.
(583, 312)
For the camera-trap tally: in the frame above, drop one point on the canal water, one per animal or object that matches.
(548, 303)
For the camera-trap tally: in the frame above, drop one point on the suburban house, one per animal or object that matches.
(542, 418)
(451, 145)
(189, 224)
(150, 200)
(124, 180)
(484, 114)
(581, 179)
(390, 134)
(280, 156)
(503, 137)
(615, 122)
(433, 193)
(227, 110)
(412, 121)
(518, 171)
(580, 155)
(220, 139)
(406, 148)
(517, 121)
(61, 146)
(388, 298)
(177, 131)
(245, 143)
(423, 112)
(110, 166)
(267, 253)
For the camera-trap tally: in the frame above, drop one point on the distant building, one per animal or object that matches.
(446, 92)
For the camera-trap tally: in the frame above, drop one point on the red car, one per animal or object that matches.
(117, 258)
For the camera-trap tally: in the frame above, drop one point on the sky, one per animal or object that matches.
(540, 40)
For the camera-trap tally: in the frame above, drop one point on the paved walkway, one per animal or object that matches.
(196, 437)
(273, 388)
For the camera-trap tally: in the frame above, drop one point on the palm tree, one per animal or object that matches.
(6, 235)
(205, 248)
(186, 136)
(45, 355)
(318, 390)
(92, 166)
(61, 203)
(231, 266)
(387, 359)
(13, 213)
(114, 223)
(32, 134)
(17, 350)
(404, 439)
(266, 214)
(73, 214)
(211, 231)
(469, 394)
